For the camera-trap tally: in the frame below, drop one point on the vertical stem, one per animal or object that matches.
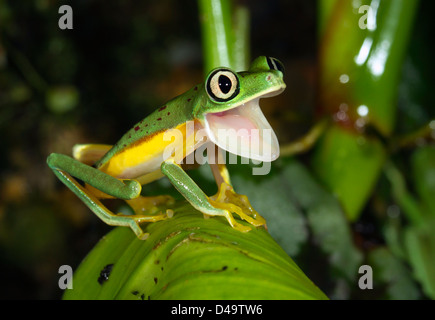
(324, 11)
(224, 44)
(216, 33)
(241, 55)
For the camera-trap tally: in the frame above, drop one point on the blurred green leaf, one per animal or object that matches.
(61, 99)
(391, 272)
(271, 194)
(423, 169)
(371, 58)
(294, 204)
(358, 82)
(420, 245)
(392, 232)
(327, 221)
(324, 10)
(349, 164)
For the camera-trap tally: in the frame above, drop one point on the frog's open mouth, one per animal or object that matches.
(244, 131)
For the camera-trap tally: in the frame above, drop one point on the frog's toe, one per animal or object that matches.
(137, 229)
(169, 213)
(220, 211)
(143, 236)
(146, 219)
(241, 227)
(229, 200)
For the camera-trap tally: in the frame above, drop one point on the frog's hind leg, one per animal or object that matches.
(66, 168)
(91, 153)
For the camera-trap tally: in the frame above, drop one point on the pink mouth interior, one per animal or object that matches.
(229, 120)
(243, 131)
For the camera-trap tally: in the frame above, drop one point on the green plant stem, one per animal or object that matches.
(225, 44)
(241, 47)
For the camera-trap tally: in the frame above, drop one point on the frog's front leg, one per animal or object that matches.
(197, 198)
(67, 168)
(226, 197)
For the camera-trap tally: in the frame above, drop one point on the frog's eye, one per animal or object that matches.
(275, 64)
(222, 85)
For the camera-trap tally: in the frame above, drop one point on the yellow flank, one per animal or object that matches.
(145, 155)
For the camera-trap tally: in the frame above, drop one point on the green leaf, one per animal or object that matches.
(189, 257)
(420, 245)
(294, 204)
(349, 165)
(358, 86)
(391, 272)
(423, 168)
(271, 194)
(61, 99)
(327, 221)
(371, 56)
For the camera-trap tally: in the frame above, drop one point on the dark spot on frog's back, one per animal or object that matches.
(162, 108)
(105, 273)
(159, 119)
(136, 128)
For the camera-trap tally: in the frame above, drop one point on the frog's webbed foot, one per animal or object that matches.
(152, 205)
(226, 198)
(147, 209)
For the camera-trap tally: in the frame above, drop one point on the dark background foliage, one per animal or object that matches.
(121, 61)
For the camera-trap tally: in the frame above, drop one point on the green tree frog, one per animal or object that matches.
(227, 100)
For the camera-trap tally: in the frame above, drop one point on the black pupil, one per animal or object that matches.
(224, 84)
